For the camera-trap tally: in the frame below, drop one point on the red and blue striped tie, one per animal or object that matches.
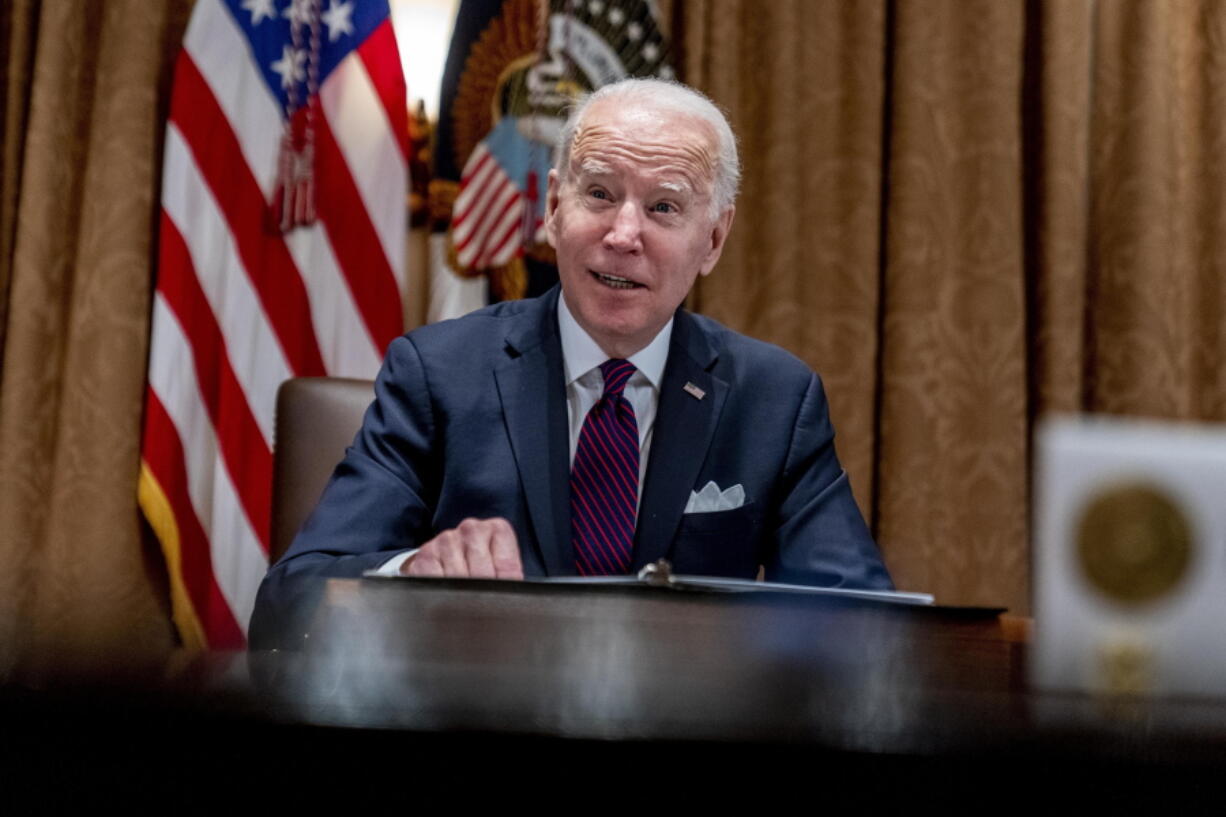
(604, 480)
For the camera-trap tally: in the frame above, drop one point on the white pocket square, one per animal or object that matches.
(711, 498)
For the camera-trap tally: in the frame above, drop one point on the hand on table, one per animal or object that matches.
(476, 549)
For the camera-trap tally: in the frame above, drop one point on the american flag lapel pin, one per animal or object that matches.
(694, 391)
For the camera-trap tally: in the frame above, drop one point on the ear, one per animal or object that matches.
(552, 195)
(719, 234)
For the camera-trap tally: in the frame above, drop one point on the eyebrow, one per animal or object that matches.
(591, 167)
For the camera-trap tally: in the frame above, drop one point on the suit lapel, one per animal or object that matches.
(532, 372)
(685, 426)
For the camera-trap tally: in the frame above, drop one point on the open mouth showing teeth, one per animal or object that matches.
(614, 281)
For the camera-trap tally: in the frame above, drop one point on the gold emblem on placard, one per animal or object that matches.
(1134, 543)
(1126, 666)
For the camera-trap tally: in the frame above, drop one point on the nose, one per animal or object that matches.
(625, 234)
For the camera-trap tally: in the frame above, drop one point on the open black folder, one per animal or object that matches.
(659, 574)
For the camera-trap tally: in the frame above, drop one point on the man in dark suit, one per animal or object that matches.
(600, 427)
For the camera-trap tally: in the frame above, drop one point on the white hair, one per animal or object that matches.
(671, 96)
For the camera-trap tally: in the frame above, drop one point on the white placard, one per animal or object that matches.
(1108, 635)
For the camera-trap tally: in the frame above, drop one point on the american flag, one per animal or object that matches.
(493, 220)
(249, 292)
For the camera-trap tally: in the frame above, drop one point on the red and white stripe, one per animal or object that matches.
(488, 216)
(239, 307)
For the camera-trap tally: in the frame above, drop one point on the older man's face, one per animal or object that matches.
(632, 221)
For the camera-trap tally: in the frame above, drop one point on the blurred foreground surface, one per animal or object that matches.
(447, 692)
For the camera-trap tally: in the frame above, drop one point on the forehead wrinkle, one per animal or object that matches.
(693, 163)
(613, 142)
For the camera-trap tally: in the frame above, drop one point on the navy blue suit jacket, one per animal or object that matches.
(469, 419)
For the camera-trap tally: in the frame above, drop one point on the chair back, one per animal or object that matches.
(316, 420)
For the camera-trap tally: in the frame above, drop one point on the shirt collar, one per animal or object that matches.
(581, 354)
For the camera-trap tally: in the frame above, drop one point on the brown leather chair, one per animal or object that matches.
(315, 422)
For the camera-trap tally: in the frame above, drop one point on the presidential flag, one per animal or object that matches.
(513, 69)
(282, 240)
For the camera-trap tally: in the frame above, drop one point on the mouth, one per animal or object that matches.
(614, 281)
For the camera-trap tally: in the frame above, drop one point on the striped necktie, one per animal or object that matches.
(604, 480)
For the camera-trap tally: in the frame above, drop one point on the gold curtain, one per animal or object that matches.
(966, 214)
(85, 91)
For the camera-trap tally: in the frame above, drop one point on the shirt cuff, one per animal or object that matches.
(392, 566)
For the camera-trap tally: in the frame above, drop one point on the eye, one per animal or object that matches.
(599, 193)
(665, 207)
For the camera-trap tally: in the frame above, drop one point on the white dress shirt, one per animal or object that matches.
(581, 358)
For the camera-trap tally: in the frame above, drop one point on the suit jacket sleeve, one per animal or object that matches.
(819, 533)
